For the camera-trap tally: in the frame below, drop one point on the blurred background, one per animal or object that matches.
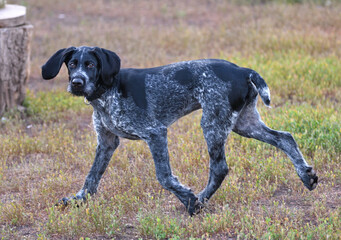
(152, 33)
(47, 149)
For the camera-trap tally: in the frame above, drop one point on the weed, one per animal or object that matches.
(14, 214)
(159, 226)
(92, 217)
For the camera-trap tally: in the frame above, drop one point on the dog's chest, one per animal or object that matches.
(115, 117)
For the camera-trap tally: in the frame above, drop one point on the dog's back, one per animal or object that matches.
(172, 91)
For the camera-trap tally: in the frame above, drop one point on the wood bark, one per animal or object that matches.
(14, 65)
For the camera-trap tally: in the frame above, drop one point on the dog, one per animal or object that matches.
(140, 104)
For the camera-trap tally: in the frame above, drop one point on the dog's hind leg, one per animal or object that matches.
(158, 147)
(216, 124)
(250, 125)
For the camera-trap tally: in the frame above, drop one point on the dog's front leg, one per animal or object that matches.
(107, 143)
(158, 146)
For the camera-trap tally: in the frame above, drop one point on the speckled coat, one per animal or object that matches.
(142, 103)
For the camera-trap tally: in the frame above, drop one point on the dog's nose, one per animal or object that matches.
(77, 82)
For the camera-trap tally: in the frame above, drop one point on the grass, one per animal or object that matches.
(47, 150)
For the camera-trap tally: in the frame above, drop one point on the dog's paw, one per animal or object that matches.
(70, 200)
(195, 207)
(64, 202)
(309, 178)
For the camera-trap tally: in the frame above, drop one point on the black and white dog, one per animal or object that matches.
(142, 103)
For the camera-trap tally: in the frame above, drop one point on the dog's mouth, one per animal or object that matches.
(77, 91)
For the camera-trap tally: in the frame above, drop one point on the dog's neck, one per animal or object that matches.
(102, 88)
(98, 93)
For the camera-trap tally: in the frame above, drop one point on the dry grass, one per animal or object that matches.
(47, 151)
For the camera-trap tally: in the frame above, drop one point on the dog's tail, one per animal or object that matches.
(261, 86)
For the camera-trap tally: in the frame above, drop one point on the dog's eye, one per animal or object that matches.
(91, 65)
(72, 65)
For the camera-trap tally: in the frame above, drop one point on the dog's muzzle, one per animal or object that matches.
(77, 86)
(77, 83)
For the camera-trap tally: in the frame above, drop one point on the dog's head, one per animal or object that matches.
(90, 68)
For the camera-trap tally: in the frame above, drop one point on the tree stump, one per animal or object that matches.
(15, 38)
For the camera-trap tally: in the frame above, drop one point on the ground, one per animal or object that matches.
(47, 150)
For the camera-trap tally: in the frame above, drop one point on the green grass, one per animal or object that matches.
(52, 105)
(47, 150)
(298, 77)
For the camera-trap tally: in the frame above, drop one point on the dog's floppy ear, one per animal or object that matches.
(110, 64)
(51, 68)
